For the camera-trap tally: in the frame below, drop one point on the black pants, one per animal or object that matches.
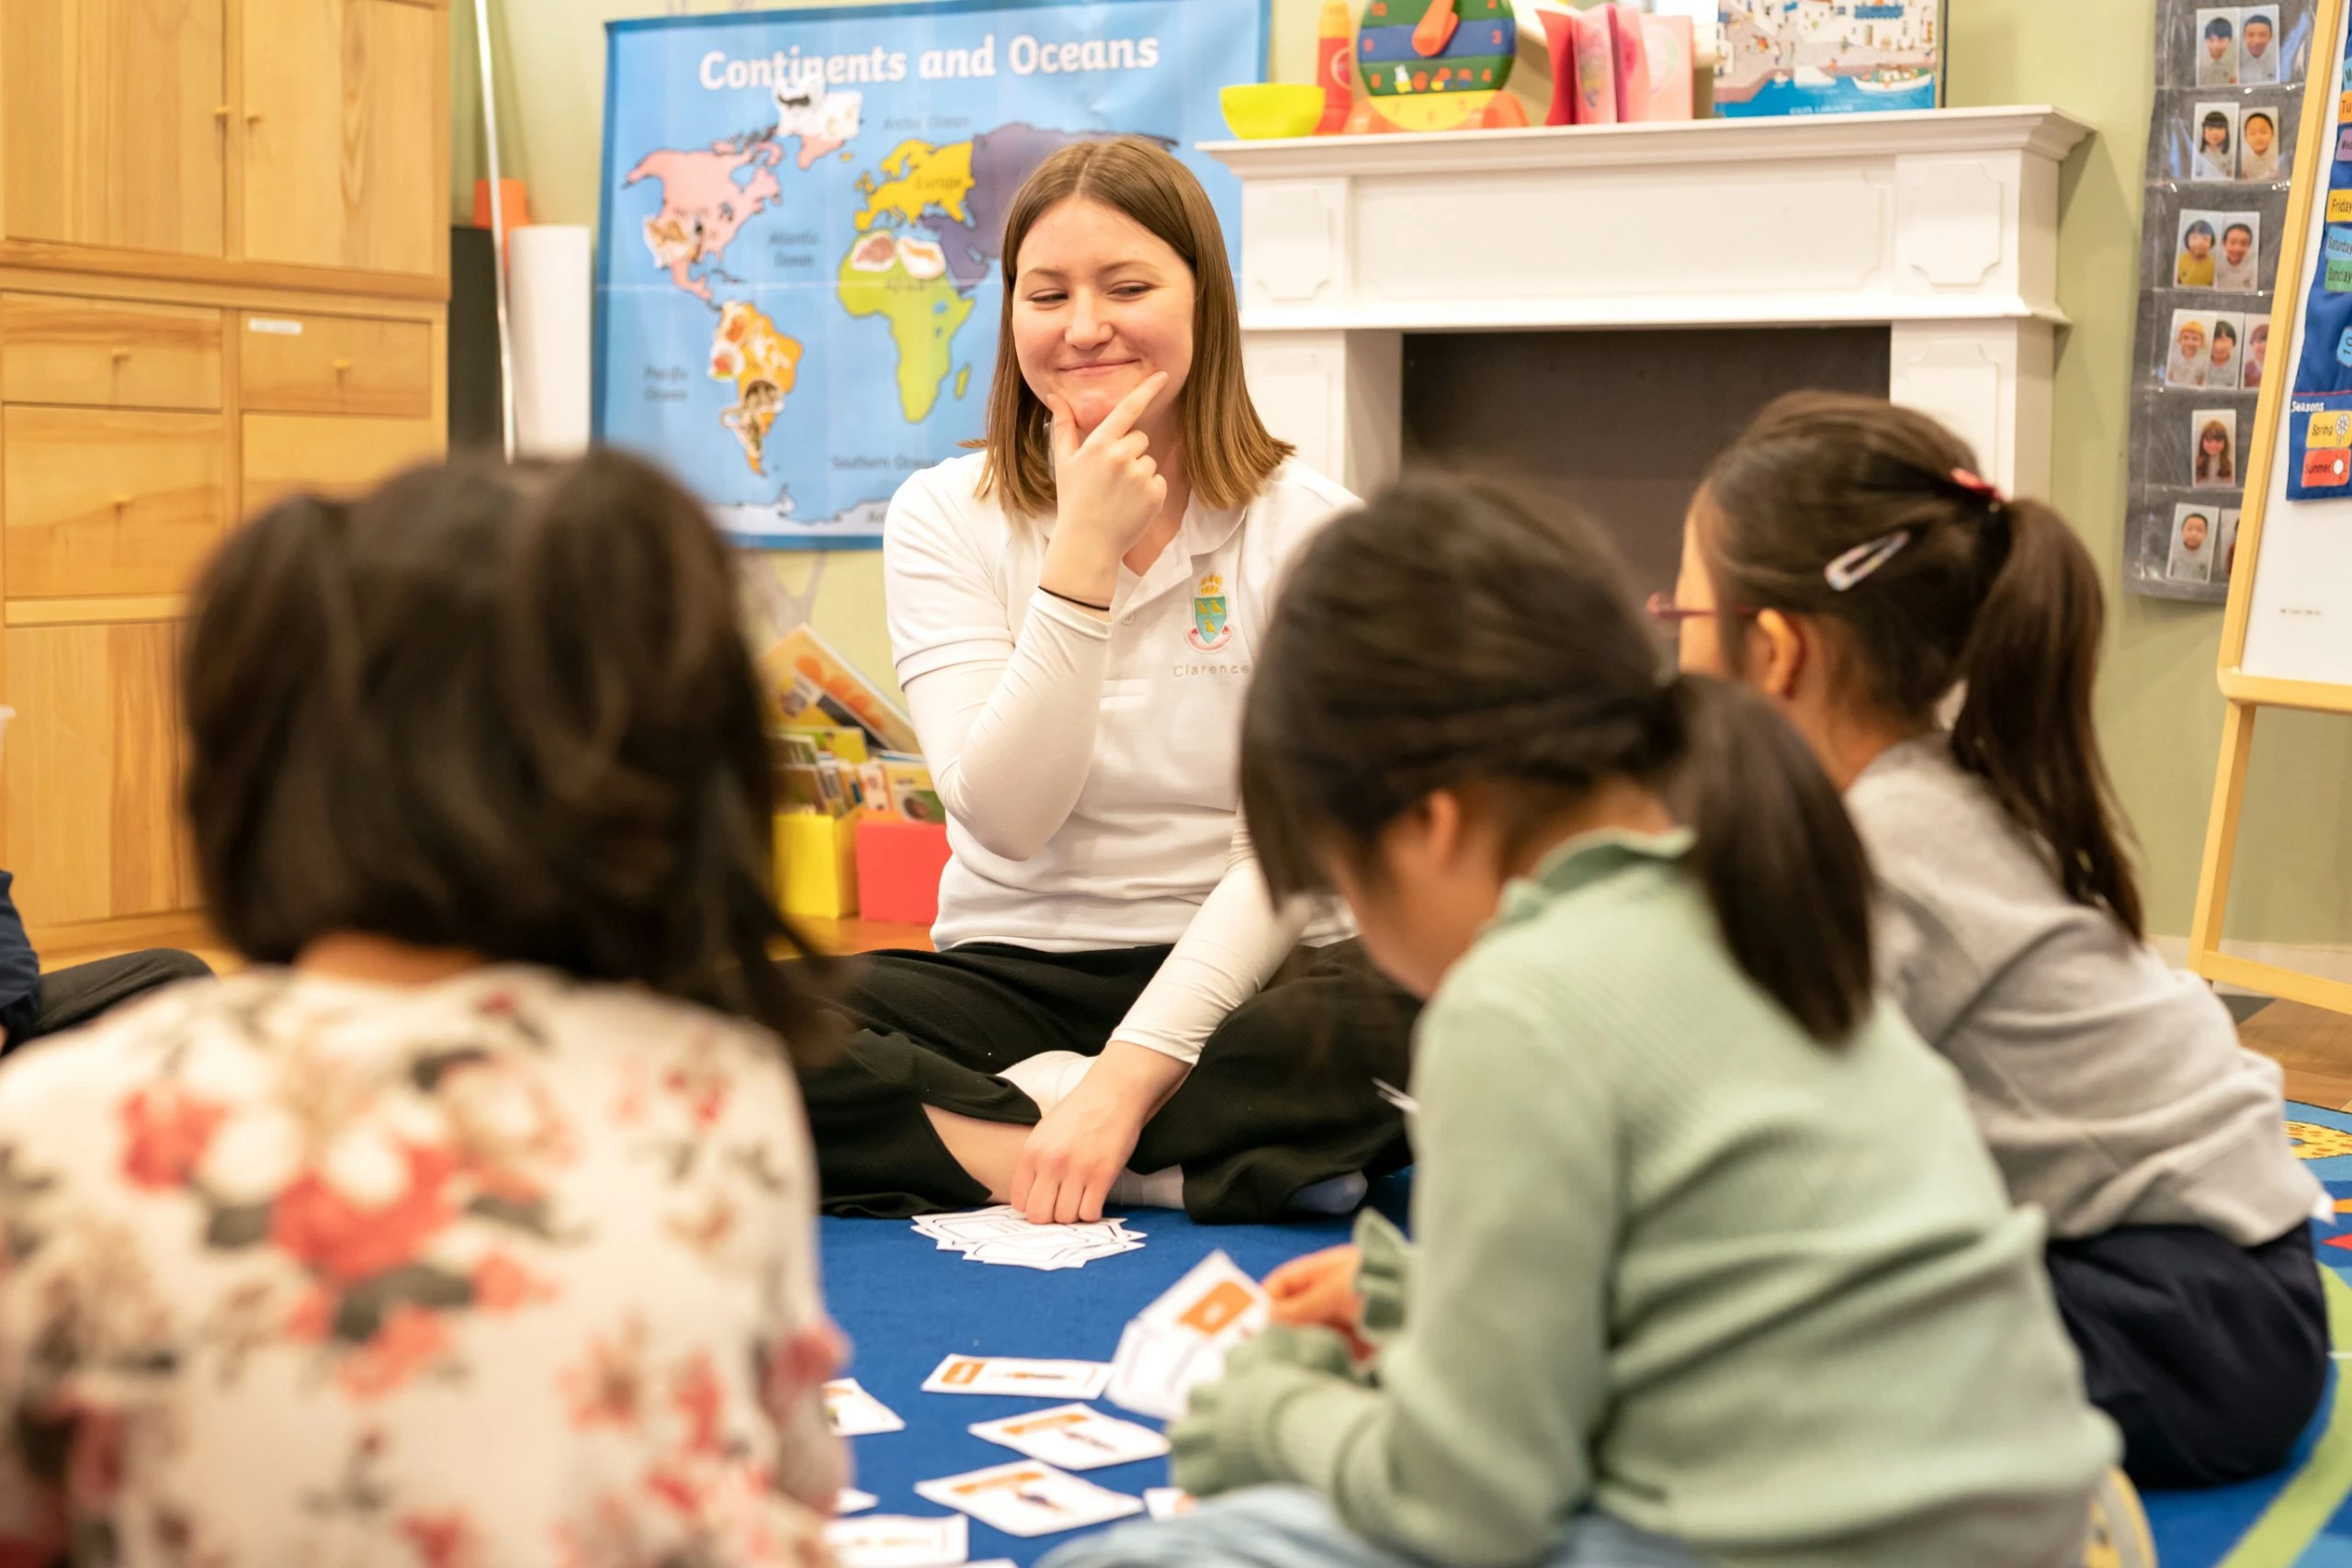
(2211, 1357)
(1281, 1098)
(71, 998)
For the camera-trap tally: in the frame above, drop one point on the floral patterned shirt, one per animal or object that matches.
(321, 1274)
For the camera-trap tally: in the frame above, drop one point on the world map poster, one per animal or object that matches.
(799, 282)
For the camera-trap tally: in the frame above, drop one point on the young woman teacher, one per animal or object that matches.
(1116, 1010)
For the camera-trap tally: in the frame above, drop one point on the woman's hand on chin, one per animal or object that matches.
(1079, 1147)
(1107, 490)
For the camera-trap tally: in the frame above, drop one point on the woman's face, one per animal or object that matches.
(1099, 304)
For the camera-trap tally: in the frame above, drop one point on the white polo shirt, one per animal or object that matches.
(1152, 829)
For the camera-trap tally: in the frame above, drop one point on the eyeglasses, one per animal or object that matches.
(1665, 609)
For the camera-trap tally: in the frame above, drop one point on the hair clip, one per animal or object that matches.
(1983, 489)
(1864, 559)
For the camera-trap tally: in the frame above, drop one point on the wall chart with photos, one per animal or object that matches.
(2229, 94)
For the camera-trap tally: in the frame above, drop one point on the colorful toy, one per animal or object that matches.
(1438, 64)
(1256, 111)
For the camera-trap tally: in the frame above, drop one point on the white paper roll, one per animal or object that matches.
(548, 274)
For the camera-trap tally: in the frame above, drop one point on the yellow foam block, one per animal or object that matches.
(816, 864)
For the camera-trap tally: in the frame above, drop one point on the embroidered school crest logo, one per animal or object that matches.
(1210, 630)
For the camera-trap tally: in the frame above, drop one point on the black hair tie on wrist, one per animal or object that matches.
(1070, 599)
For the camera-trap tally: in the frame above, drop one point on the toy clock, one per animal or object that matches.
(1438, 64)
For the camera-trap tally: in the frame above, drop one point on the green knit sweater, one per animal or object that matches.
(1680, 1262)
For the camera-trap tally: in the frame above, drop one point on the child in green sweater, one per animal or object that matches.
(1711, 1264)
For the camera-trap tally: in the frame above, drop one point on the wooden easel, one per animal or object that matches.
(2278, 684)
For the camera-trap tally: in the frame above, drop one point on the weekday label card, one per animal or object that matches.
(1024, 1378)
(1029, 1498)
(892, 1540)
(853, 1412)
(1074, 1437)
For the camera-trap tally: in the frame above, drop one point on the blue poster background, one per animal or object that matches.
(797, 286)
(2319, 402)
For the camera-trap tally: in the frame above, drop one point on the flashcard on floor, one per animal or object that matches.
(1029, 1498)
(855, 1413)
(895, 1540)
(1027, 1379)
(1074, 1437)
(1178, 1341)
(1168, 1502)
(853, 1501)
(1003, 1235)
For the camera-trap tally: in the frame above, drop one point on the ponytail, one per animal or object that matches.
(2025, 726)
(1866, 515)
(1778, 857)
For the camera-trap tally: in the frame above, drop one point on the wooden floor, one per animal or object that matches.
(2313, 1047)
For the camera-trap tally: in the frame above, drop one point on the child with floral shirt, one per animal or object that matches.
(473, 1224)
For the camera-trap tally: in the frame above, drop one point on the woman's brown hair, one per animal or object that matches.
(1996, 595)
(1228, 453)
(1453, 635)
(501, 709)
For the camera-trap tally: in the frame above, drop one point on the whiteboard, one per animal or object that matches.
(2298, 627)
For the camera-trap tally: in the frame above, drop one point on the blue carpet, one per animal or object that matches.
(907, 1306)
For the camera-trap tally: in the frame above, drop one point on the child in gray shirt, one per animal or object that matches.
(1843, 556)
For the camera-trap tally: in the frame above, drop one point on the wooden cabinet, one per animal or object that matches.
(223, 276)
(284, 453)
(339, 170)
(108, 352)
(103, 504)
(309, 364)
(114, 115)
(93, 769)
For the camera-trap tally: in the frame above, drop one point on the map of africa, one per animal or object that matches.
(800, 284)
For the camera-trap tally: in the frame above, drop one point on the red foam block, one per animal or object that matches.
(898, 865)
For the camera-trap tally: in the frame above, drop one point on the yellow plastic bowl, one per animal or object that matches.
(1257, 110)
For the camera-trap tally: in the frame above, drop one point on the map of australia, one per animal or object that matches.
(800, 282)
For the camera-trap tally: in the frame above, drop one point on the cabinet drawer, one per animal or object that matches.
(110, 503)
(108, 353)
(335, 365)
(333, 456)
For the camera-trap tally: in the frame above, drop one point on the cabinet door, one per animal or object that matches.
(284, 453)
(343, 135)
(115, 120)
(93, 761)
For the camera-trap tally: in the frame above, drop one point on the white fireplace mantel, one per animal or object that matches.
(1941, 224)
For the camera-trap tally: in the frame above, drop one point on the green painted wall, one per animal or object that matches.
(2159, 710)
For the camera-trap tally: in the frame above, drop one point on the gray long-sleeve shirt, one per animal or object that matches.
(2110, 1086)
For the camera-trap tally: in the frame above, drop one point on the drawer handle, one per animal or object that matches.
(340, 365)
(252, 116)
(120, 354)
(222, 112)
(122, 504)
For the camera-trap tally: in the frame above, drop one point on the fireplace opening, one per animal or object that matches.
(1620, 424)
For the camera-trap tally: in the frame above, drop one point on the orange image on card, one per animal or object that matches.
(961, 1371)
(1220, 1306)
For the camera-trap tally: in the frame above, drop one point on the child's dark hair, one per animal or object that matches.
(502, 709)
(1451, 634)
(1998, 595)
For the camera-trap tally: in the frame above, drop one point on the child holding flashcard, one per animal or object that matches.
(1711, 1264)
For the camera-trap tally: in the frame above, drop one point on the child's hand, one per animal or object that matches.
(1319, 1290)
